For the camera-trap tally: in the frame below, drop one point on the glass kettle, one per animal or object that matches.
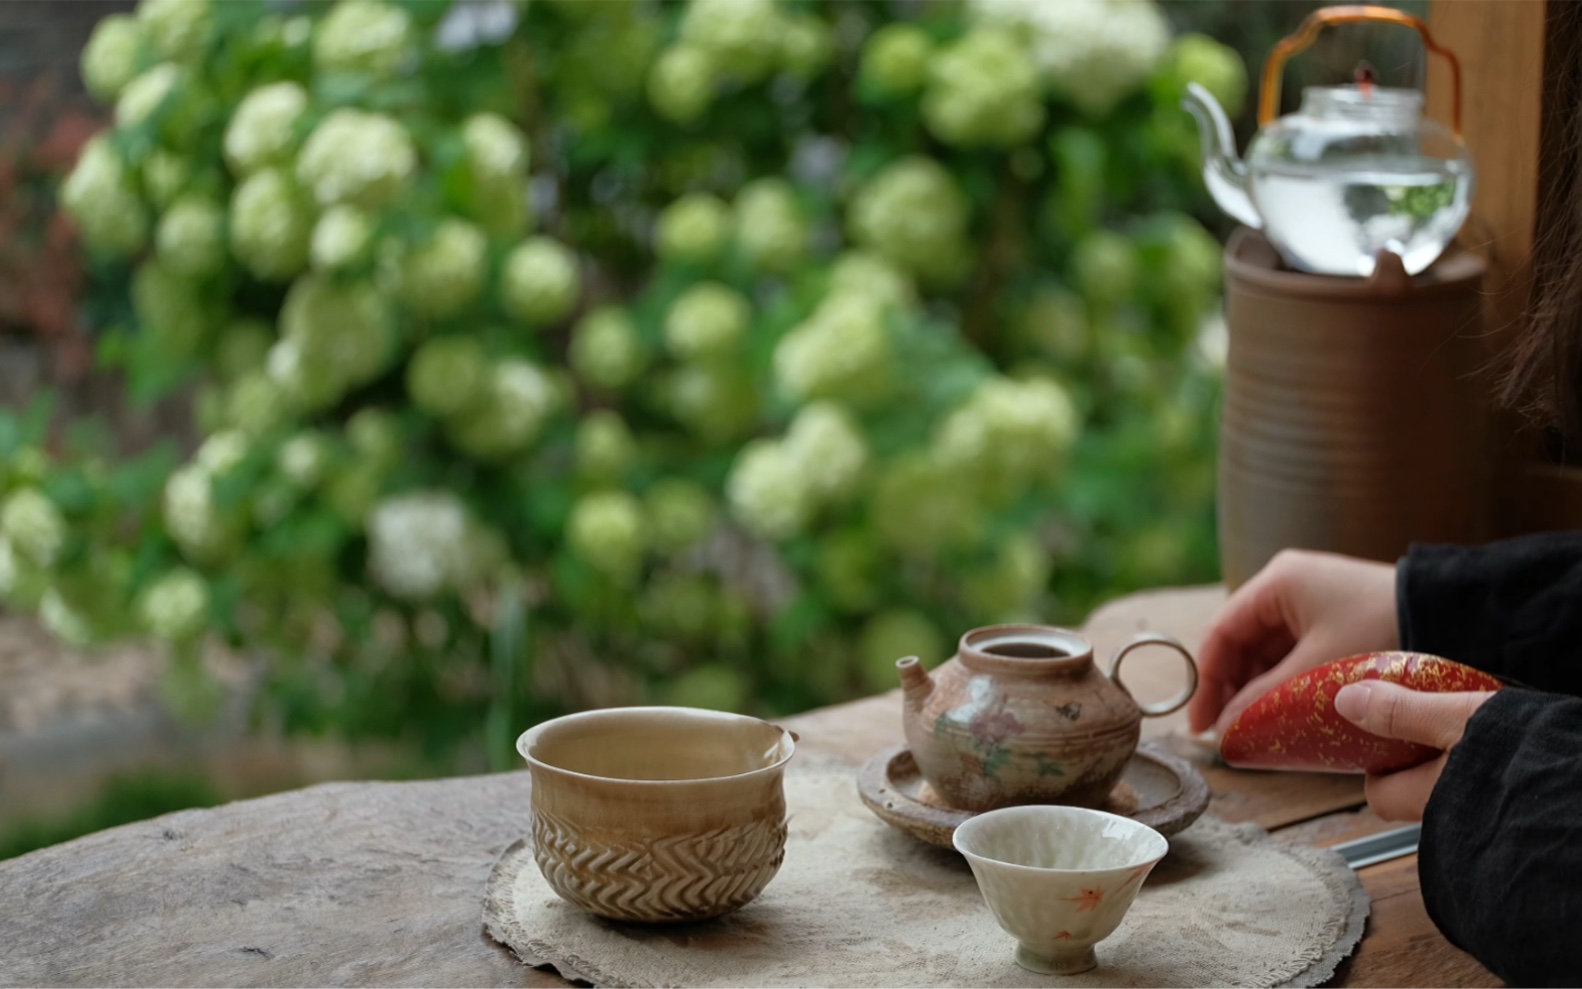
(1355, 171)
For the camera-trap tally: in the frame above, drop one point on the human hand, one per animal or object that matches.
(1302, 610)
(1390, 710)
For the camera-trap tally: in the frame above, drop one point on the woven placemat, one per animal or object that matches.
(859, 904)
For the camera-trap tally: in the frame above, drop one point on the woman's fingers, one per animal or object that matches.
(1393, 711)
(1402, 796)
(1250, 634)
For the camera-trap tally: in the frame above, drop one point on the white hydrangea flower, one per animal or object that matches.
(742, 36)
(354, 157)
(681, 83)
(768, 490)
(895, 58)
(604, 445)
(33, 526)
(340, 238)
(606, 529)
(109, 59)
(540, 281)
(303, 459)
(363, 36)
(497, 149)
(521, 397)
(1091, 52)
(829, 448)
(190, 239)
(605, 350)
(867, 272)
(413, 543)
(708, 320)
(841, 351)
(806, 45)
(693, 229)
(189, 511)
(263, 128)
(984, 90)
(915, 215)
(296, 30)
(271, 224)
(441, 277)
(448, 375)
(175, 607)
(257, 404)
(715, 400)
(344, 324)
(770, 228)
(177, 29)
(309, 384)
(222, 451)
(497, 157)
(68, 624)
(1011, 432)
(144, 94)
(99, 197)
(166, 175)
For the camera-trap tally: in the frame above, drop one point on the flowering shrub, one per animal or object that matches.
(716, 353)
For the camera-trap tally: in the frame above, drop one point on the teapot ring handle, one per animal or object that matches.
(1158, 639)
(1269, 93)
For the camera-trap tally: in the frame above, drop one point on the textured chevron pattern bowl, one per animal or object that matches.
(658, 814)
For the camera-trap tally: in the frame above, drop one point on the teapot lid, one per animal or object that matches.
(1362, 102)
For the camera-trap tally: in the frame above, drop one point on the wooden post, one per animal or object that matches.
(1513, 56)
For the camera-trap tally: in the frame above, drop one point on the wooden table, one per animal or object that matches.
(381, 883)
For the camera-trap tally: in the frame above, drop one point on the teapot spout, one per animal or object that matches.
(916, 684)
(1223, 171)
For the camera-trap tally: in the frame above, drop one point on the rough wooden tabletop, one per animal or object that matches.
(380, 883)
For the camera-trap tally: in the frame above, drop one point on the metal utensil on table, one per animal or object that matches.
(1381, 847)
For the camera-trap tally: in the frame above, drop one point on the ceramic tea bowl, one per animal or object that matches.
(658, 814)
(1058, 879)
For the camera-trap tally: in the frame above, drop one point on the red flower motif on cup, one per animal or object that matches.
(1087, 899)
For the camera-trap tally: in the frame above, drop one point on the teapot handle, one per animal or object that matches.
(1269, 95)
(1158, 639)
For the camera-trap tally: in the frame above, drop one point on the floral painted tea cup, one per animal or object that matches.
(1058, 879)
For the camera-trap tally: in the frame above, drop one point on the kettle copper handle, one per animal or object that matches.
(1158, 639)
(1269, 96)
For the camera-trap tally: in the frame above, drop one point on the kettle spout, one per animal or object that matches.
(1223, 171)
(916, 684)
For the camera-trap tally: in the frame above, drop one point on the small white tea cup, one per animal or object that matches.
(1058, 879)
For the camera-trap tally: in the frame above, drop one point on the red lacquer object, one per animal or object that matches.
(1296, 727)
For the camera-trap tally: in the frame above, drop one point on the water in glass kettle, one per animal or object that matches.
(1336, 219)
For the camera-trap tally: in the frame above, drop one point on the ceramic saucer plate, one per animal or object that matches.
(1158, 789)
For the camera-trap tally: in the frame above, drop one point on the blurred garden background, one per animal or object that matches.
(382, 377)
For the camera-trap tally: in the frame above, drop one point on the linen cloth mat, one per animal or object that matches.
(859, 904)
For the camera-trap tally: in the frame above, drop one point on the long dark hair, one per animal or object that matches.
(1542, 375)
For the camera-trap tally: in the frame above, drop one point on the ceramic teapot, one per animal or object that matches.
(1021, 716)
(1355, 171)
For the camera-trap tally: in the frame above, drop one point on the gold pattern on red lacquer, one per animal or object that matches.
(1296, 726)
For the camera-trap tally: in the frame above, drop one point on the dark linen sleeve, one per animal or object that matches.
(1511, 608)
(1500, 861)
